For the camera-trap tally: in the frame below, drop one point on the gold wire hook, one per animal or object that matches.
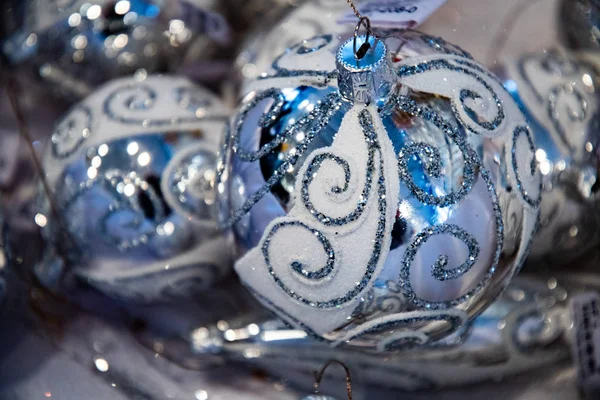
(319, 377)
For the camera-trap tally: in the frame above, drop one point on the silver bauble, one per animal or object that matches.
(75, 45)
(132, 168)
(386, 224)
(558, 94)
(312, 18)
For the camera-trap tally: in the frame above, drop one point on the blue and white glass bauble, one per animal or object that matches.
(75, 45)
(132, 168)
(558, 94)
(312, 18)
(383, 202)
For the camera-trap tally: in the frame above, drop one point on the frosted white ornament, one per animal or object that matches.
(71, 47)
(349, 182)
(133, 168)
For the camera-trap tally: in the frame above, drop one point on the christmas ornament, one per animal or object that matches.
(132, 167)
(382, 201)
(76, 45)
(313, 18)
(558, 95)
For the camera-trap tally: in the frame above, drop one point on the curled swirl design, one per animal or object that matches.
(265, 121)
(528, 185)
(476, 123)
(296, 265)
(111, 182)
(472, 165)
(400, 323)
(439, 44)
(130, 105)
(311, 173)
(438, 270)
(432, 159)
(566, 93)
(551, 63)
(303, 48)
(373, 147)
(70, 133)
(313, 122)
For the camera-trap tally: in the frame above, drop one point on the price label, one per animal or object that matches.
(394, 13)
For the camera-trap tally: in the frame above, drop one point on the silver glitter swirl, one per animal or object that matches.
(402, 325)
(140, 97)
(524, 130)
(438, 270)
(70, 133)
(472, 164)
(465, 94)
(311, 173)
(297, 266)
(366, 123)
(431, 156)
(563, 92)
(304, 47)
(315, 121)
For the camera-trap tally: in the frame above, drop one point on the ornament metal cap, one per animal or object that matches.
(367, 79)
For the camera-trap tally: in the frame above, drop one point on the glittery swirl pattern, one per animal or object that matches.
(312, 123)
(478, 98)
(432, 159)
(345, 198)
(480, 103)
(472, 165)
(134, 104)
(525, 167)
(71, 131)
(302, 48)
(124, 224)
(551, 85)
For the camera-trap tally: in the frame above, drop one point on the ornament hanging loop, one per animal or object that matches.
(362, 50)
(319, 377)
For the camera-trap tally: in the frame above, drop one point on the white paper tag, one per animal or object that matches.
(585, 308)
(395, 13)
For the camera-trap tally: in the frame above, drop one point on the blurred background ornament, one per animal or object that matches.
(132, 168)
(72, 46)
(310, 19)
(448, 154)
(579, 23)
(558, 93)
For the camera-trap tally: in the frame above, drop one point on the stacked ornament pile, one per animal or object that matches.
(377, 190)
